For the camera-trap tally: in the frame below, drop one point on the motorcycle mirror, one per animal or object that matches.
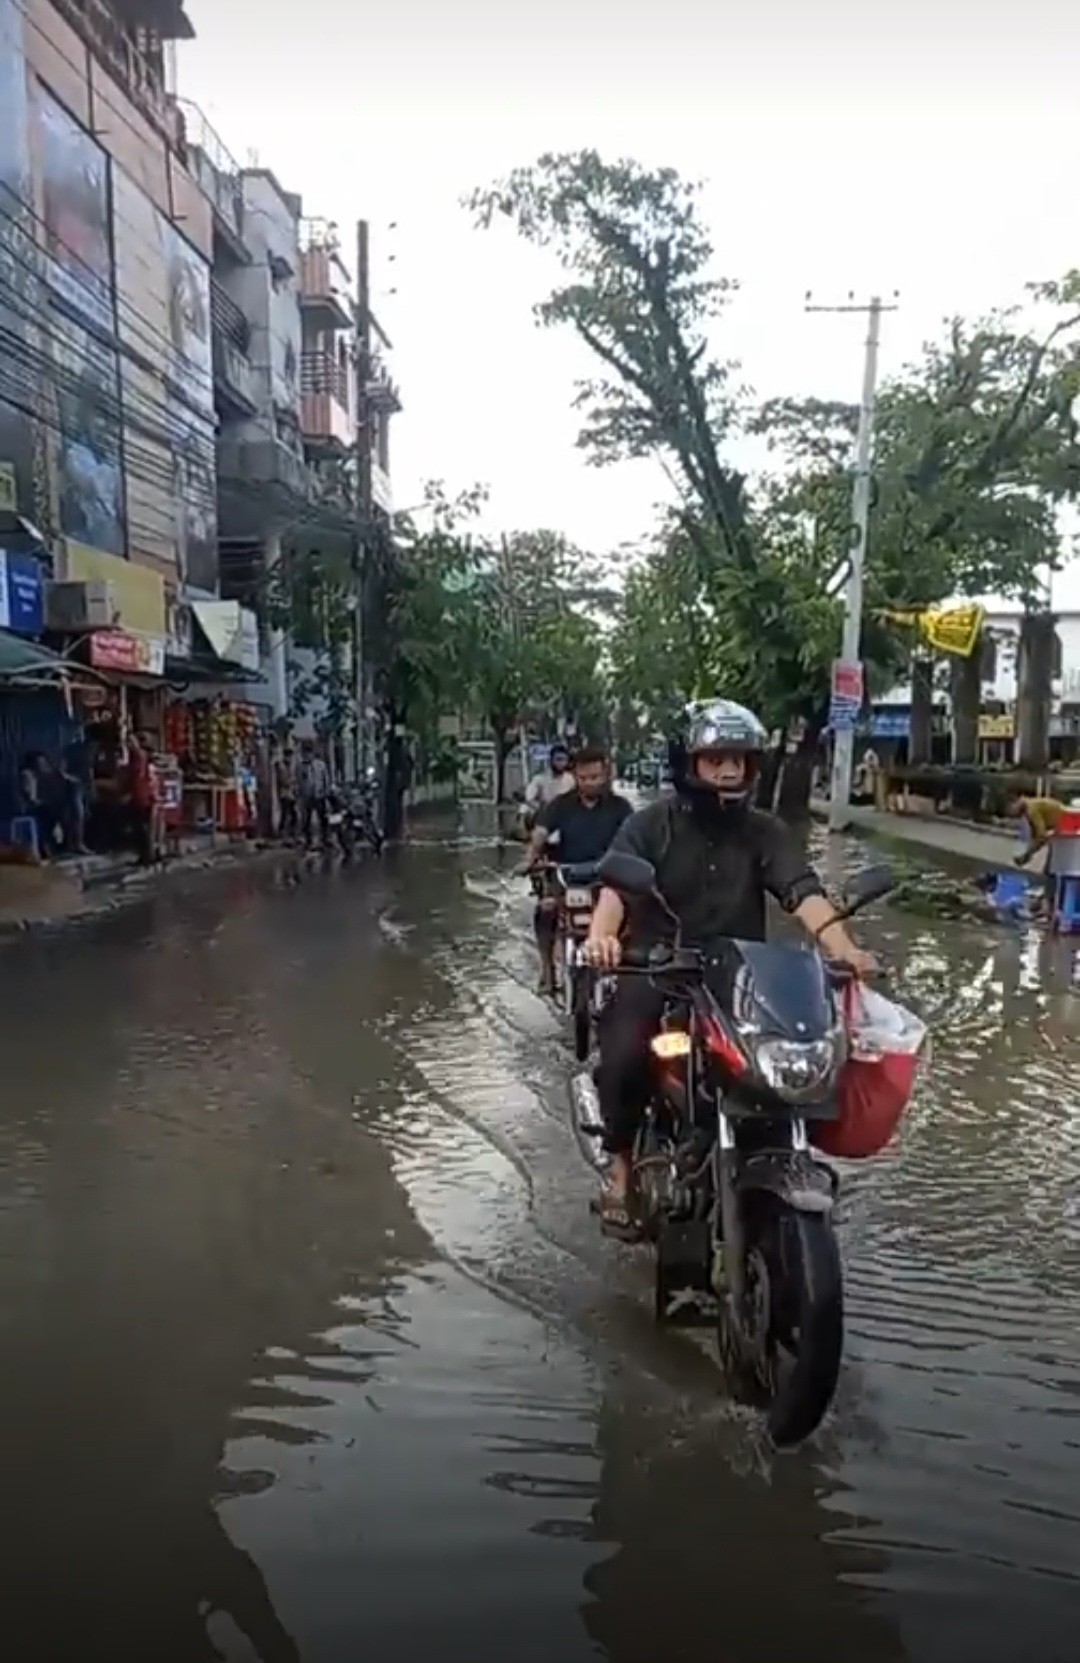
(629, 874)
(867, 886)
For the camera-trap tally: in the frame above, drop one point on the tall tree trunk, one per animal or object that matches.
(768, 777)
(966, 688)
(793, 802)
(921, 740)
(1034, 690)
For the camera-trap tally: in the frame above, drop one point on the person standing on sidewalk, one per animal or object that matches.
(286, 783)
(314, 794)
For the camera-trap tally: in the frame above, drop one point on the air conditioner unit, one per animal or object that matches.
(77, 606)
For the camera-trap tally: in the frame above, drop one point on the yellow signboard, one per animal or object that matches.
(138, 593)
(997, 727)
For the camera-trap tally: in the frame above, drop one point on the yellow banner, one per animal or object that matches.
(952, 629)
(997, 727)
(138, 593)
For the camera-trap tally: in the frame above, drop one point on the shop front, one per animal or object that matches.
(214, 729)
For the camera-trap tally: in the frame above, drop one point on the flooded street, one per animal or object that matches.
(311, 1350)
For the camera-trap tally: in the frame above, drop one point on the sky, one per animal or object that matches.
(933, 152)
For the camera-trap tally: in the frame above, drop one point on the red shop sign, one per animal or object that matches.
(114, 649)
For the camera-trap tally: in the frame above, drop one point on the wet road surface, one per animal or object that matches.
(310, 1350)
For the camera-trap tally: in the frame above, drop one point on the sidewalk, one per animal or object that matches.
(981, 846)
(66, 891)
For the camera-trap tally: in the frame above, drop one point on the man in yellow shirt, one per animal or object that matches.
(1042, 816)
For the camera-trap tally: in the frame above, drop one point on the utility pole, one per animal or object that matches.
(362, 552)
(848, 672)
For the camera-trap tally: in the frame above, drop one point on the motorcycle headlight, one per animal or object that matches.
(796, 1069)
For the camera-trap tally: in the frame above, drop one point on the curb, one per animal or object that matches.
(124, 888)
(928, 852)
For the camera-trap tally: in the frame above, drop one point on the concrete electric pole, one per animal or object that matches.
(847, 688)
(363, 552)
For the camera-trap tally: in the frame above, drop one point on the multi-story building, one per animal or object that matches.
(107, 413)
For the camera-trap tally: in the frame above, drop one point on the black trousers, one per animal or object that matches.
(627, 1024)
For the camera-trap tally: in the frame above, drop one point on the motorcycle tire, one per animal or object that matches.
(582, 1018)
(793, 1263)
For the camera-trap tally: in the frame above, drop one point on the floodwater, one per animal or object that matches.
(310, 1350)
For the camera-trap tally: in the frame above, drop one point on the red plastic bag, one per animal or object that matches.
(876, 1082)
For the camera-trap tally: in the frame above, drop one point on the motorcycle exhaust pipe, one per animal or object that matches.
(587, 1122)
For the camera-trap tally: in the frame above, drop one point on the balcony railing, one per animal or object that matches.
(227, 318)
(214, 169)
(234, 375)
(321, 373)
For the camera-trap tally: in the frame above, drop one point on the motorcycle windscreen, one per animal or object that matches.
(774, 986)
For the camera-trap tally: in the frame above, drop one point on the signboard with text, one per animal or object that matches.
(133, 655)
(22, 594)
(846, 696)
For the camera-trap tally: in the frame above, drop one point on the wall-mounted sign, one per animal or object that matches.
(133, 655)
(22, 594)
(997, 727)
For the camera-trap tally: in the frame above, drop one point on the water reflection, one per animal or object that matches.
(243, 1397)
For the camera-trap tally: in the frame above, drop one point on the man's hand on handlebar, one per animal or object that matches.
(602, 952)
(862, 965)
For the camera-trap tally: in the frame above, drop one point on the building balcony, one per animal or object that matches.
(382, 390)
(235, 389)
(382, 492)
(126, 37)
(325, 401)
(218, 177)
(227, 318)
(324, 282)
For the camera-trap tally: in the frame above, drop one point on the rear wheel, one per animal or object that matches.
(781, 1351)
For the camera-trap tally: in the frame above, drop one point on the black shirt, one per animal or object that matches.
(585, 830)
(715, 877)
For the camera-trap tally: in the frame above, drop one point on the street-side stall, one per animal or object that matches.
(215, 744)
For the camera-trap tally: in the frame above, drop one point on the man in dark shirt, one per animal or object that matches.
(573, 830)
(716, 861)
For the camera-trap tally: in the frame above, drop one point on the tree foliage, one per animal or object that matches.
(975, 447)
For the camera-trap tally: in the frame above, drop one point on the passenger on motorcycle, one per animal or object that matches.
(543, 789)
(716, 860)
(573, 829)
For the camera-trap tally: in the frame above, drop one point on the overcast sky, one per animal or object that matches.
(934, 151)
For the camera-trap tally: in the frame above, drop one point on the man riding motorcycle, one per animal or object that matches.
(579, 827)
(716, 859)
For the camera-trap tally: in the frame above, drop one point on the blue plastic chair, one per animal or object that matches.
(1067, 905)
(23, 833)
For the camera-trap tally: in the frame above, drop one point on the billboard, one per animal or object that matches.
(191, 406)
(168, 389)
(80, 371)
(19, 489)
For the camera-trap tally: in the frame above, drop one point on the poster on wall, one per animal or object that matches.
(18, 275)
(191, 408)
(145, 368)
(87, 443)
(74, 174)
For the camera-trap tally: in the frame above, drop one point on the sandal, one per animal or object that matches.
(616, 1218)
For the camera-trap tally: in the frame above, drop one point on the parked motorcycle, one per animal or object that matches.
(728, 1188)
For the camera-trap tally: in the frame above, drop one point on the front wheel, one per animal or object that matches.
(781, 1350)
(582, 1016)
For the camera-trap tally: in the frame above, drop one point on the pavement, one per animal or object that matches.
(984, 846)
(66, 891)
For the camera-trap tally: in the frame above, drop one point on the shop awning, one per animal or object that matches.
(231, 634)
(20, 658)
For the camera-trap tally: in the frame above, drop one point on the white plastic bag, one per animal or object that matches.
(879, 1027)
